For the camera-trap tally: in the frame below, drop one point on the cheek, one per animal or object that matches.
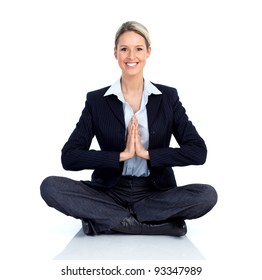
(143, 56)
(120, 57)
(143, 59)
(120, 62)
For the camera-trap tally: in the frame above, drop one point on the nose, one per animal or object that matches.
(131, 54)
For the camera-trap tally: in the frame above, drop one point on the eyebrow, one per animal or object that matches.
(121, 46)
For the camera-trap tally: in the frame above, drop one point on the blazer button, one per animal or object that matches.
(154, 182)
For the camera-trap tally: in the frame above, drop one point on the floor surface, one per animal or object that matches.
(126, 247)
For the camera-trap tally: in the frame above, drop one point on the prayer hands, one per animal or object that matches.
(133, 144)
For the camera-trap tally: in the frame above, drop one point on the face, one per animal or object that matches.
(131, 53)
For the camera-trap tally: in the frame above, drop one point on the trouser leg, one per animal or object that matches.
(106, 208)
(79, 200)
(163, 212)
(186, 202)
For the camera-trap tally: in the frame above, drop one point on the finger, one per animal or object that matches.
(136, 123)
(130, 126)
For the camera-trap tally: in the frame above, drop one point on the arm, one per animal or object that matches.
(192, 149)
(76, 154)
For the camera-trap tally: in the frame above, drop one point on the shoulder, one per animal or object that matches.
(167, 91)
(97, 94)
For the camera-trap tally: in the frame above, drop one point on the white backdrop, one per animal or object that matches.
(53, 52)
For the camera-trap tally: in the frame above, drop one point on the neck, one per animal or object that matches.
(132, 85)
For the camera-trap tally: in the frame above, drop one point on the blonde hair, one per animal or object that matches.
(135, 27)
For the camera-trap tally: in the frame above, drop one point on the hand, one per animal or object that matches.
(133, 143)
(130, 150)
(139, 148)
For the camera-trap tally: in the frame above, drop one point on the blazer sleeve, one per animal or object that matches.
(192, 148)
(76, 153)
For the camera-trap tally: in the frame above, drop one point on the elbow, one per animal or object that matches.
(201, 156)
(202, 159)
(67, 163)
(68, 160)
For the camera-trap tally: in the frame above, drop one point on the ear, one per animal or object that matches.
(115, 53)
(148, 52)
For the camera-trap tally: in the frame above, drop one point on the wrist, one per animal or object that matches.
(144, 154)
(125, 156)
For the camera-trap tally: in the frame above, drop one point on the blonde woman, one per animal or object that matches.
(132, 189)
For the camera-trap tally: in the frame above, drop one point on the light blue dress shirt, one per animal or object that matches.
(136, 166)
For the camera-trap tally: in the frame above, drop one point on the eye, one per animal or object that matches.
(139, 49)
(123, 49)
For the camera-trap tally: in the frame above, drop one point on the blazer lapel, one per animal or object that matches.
(153, 104)
(116, 107)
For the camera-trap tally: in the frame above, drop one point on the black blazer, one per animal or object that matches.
(103, 118)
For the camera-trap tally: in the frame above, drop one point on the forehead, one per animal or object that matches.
(131, 38)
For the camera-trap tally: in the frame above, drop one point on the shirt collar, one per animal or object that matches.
(115, 89)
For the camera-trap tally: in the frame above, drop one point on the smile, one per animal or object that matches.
(131, 64)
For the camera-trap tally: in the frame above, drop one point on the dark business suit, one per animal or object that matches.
(103, 118)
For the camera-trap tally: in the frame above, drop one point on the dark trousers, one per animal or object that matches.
(105, 208)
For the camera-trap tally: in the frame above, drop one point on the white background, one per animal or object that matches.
(53, 52)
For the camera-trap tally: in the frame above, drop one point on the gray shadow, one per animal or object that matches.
(129, 247)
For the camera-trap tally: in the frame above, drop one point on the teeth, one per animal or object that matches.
(131, 64)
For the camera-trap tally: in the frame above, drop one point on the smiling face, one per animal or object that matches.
(131, 52)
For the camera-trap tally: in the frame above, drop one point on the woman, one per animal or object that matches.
(133, 188)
